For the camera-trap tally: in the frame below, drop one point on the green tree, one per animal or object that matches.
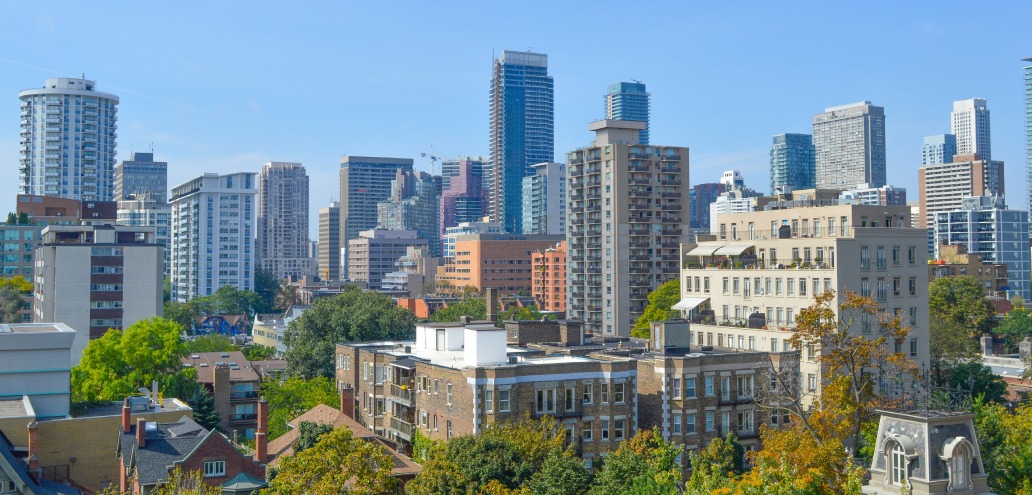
(338, 464)
(12, 219)
(309, 434)
(212, 342)
(180, 313)
(294, 397)
(267, 287)
(522, 457)
(11, 302)
(961, 299)
(1015, 327)
(660, 301)
(352, 316)
(258, 352)
(980, 380)
(119, 363)
(18, 283)
(1006, 445)
(23, 218)
(166, 289)
(718, 464)
(205, 413)
(179, 483)
(951, 345)
(287, 296)
(645, 462)
(472, 306)
(520, 313)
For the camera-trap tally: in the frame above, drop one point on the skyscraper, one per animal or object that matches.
(364, 182)
(627, 205)
(140, 177)
(329, 242)
(68, 140)
(629, 101)
(414, 204)
(850, 145)
(1028, 133)
(943, 186)
(451, 167)
(544, 199)
(282, 243)
(792, 163)
(522, 130)
(213, 234)
(940, 148)
(464, 199)
(970, 123)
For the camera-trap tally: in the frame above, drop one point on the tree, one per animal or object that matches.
(338, 463)
(644, 464)
(961, 299)
(23, 218)
(309, 434)
(522, 457)
(660, 301)
(1015, 327)
(267, 287)
(17, 282)
(951, 344)
(718, 464)
(119, 363)
(287, 296)
(519, 313)
(258, 352)
(472, 306)
(211, 343)
(11, 302)
(179, 483)
(1006, 445)
(294, 397)
(180, 313)
(205, 413)
(980, 380)
(352, 316)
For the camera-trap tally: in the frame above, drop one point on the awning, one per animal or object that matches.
(732, 249)
(689, 303)
(703, 251)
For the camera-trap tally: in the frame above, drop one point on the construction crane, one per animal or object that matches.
(433, 160)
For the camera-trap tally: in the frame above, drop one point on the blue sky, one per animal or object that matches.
(227, 86)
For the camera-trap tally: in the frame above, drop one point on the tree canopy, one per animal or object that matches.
(204, 412)
(660, 301)
(295, 396)
(1005, 442)
(337, 464)
(961, 299)
(717, 464)
(643, 464)
(352, 316)
(213, 342)
(1015, 327)
(472, 306)
(267, 288)
(119, 363)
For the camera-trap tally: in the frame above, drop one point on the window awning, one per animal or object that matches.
(689, 303)
(732, 249)
(703, 251)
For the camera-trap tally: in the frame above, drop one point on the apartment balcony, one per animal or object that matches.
(244, 395)
(401, 394)
(639, 257)
(402, 429)
(638, 156)
(243, 418)
(638, 231)
(670, 182)
(671, 158)
(671, 231)
(638, 167)
(671, 207)
(671, 170)
(639, 206)
(639, 182)
(640, 244)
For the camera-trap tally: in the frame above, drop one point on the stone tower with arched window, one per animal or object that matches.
(926, 452)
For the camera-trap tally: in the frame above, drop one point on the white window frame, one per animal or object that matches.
(214, 469)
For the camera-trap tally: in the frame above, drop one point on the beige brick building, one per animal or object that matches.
(500, 261)
(456, 378)
(745, 286)
(233, 385)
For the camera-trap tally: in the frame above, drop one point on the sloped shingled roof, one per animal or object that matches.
(167, 443)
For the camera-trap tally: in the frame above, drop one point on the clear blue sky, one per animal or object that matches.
(227, 86)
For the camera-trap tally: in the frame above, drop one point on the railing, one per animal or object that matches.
(402, 428)
(401, 392)
(248, 394)
(243, 417)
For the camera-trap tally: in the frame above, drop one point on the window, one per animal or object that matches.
(604, 398)
(745, 386)
(503, 400)
(588, 389)
(709, 421)
(569, 394)
(448, 433)
(865, 259)
(912, 255)
(897, 464)
(791, 286)
(912, 286)
(865, 287)
(448, 395)
(489, 400)
(689, 385)
(896, 258)
(618, 429)
(725, 388)
(604, 422)
(586, 431)
(879, 253)
(773, 345)
(618, 392)
(959, 464)
(214, 469)
(913, 316)
(677, 423)
(675, 388)
(726, 285)
(709, 385)
(745, 422)
(897, 286)
(802, 287)
(913, 347)
(689, 426)
(811, 382)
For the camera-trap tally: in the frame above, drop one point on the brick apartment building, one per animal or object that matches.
(500, 261)
(233, 384)
(549, 285)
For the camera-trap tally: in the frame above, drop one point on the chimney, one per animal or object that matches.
(126, 411)
(261, 448)
(347, 402)
(491, 300)
(263, 415)
(141, 432)
(33, 445)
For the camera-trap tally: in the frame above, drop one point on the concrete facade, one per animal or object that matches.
(500, 261)
(282, 232)
(329, 242)
(544, 199)
(364, 182)
(35, 365)
(969, 122)
(850, 145)
(374, 253)
(140, 177)
(943, 186)
(153, 214)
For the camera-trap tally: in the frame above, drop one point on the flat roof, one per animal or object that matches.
(13, 407)
(204, 362)
(35, 328)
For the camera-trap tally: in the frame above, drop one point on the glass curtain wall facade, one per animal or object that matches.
(792, 163)
(629, 101)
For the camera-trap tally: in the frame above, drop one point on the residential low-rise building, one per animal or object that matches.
(234, 386)
(373, 253)
(955, 260)
(35, 364)
(549, 285)
(499, 261)
(268, 329)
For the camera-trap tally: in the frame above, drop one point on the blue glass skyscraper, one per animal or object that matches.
(1028, 131)
(522, 130)
(792, 163)
(629, 101)
(939, 148)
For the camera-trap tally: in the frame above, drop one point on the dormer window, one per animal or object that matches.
(898, 464)
(958, 454)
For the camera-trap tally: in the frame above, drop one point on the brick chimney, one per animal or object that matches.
(347, 402)
(141, 432)
(33, 446)
(126, 412)
(261, 441)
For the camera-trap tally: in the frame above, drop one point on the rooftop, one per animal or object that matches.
(204, 362)
(35, 328)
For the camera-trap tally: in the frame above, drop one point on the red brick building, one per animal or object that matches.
(549, 284)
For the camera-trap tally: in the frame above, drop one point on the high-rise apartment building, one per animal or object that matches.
(970, 123)
(887, 195)
(544, 199)
(329, 242)
(213, 220)
(282, 242)
(850, 145)
(149, 213)
(940, 148)
(792, 163)
(998, 235)
(451, 167)
(522, 130)
(140, 177)
(452, 234)
(463, 197)
(1028, 134)
(629, 101)
(96, 277)
(414, 204)
(700, 197)
(374, 254)
(627, 204)
(68, 140)
(365, 181)
(943, 186)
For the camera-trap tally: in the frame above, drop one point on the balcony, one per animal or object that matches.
(401, 394)
(671, 158)
(243, 395)
(670, 182)
(402, 429)
(237, 418)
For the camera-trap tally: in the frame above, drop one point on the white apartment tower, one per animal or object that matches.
(149, 213)
(970, 123)
(213, 234)
(544, 199)
(627, 203)
(283, 220)
(68, 140)
(850, 145)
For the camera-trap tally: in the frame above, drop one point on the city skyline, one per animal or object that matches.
(202, 112)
